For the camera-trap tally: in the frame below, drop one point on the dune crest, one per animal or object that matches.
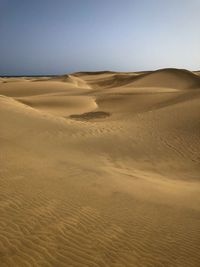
(163, 78)
(170, 78)
(72, 79)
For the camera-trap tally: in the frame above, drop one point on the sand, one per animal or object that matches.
(100, 169)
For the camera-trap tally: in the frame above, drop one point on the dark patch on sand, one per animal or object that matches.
(90, 115)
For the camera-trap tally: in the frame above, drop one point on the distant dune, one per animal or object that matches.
(167, 78)
(100, 169)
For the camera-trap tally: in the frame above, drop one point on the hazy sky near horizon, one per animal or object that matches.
(61, 36)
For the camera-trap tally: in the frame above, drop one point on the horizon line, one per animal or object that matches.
(86, 71)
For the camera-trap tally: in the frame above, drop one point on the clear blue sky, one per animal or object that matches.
(61, 36)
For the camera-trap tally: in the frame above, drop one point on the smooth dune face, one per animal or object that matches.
(100, 169)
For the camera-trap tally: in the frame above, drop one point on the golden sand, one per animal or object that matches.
(100, 170)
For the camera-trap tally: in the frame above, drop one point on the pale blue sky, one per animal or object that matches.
(60, 36)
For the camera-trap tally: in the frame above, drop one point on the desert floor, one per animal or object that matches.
(100, 169)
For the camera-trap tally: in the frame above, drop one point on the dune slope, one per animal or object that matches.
(164, 78)
(100, 169)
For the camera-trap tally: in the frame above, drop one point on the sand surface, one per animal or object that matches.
(100, 170)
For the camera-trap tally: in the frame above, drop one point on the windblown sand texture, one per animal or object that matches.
(100, 170)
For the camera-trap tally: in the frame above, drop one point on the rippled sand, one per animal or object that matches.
(100, 170)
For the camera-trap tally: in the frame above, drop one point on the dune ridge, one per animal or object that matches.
(100, 169)
(167, 78)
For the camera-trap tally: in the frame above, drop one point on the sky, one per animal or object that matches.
(40, 37)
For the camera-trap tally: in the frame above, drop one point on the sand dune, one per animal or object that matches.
(72, 79)
(100, 169)
(60, 104)
(165, 78)
(169, 78)
(197, 73)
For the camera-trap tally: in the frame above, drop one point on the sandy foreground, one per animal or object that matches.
(100, 169)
